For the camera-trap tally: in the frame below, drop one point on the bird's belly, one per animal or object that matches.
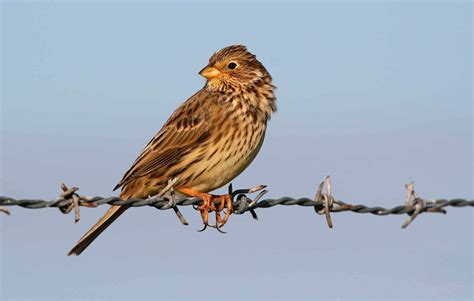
(222, 162)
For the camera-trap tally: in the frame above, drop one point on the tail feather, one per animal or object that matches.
(109, 217)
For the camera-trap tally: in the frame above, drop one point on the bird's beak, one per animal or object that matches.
(209, 72)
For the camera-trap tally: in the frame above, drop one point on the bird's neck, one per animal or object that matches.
(256, 100)
(261, 96)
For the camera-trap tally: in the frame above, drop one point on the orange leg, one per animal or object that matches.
(226, 201)
(207, 206)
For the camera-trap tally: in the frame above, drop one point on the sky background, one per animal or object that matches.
(375, 94)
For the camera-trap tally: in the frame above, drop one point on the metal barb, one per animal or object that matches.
(417, 203)
(5, 210)
(326, 199)
(328, 202)
(318, 197)
(243, 203)
(70, 195)
(169, 190)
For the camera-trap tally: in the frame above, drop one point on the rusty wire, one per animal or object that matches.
(323, 203)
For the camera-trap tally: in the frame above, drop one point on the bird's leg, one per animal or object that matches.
(219, 209)
(227, 200)
(218, 213)
(207, 206)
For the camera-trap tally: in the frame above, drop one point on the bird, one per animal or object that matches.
(206, 142)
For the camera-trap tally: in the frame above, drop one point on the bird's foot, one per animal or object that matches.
(208, 205)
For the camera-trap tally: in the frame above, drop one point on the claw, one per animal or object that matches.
(204, 228)
(219, 229)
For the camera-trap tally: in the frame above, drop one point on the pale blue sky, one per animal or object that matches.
(375, 94)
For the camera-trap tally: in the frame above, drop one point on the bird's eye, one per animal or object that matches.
(232, 65)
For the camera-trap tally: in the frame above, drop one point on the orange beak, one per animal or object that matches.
(209, 72)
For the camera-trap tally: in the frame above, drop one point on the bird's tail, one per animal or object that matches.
(109, 217)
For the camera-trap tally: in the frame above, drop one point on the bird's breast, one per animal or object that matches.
(232, 147)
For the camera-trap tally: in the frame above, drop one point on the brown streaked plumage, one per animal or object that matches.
(209, 140)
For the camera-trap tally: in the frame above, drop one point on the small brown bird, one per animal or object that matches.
(208, 141)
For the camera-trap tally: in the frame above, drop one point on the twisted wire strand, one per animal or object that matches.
(377, 210)
(323, 203)
(160, 203)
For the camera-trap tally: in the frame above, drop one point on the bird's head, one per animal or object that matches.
(234, 68)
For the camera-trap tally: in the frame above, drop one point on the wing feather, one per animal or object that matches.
(185, 130)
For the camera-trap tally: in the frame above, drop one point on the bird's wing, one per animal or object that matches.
(187, 128)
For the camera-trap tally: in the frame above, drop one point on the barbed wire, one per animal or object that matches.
(323, 203)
